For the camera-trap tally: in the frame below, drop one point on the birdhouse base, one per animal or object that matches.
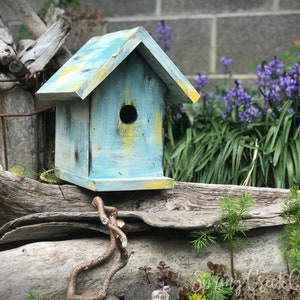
(117, 184)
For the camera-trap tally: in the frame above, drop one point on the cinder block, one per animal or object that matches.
(121, 8)
(81, 32)
(214, 6)
(289, 4)
(192, 41)
(15, 31)
(37, 5)
(246, 39)
(246, 82)
(8, 14)
(192, 45)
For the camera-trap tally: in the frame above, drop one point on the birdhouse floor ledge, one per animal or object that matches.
(117, 184)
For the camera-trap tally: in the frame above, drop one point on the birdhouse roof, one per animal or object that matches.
(93, 62)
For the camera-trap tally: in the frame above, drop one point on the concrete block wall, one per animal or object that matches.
(204, 31)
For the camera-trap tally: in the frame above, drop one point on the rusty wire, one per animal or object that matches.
(28, 79)
(37, 111)
(118, 240)
(4, 137)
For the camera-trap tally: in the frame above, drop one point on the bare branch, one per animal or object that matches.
(7, 46)
(35, 25)
(117, 240)
(37, 54)
(28, 16)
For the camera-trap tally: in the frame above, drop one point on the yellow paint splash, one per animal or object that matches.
(126, 132)
(191, 93)
(164, 183)
(102, 73)
(65, 71)
(158, 127)
(126, 94)
(92, 186)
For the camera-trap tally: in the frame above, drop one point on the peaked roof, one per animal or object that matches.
(94, 61)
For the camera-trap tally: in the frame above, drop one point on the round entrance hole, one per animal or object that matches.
(128, 114)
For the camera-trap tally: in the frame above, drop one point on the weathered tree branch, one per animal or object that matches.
(118, 240)
(33, 55)
(35, 24)
(7, 46)
(37, 55)
(27, 15)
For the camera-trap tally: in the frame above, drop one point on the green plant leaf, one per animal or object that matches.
(203, 240)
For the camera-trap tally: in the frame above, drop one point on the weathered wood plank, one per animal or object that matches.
(187, 206)
(41, 226)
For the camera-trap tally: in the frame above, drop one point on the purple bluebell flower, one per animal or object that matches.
(178, 116)
(288, 84)
(263, 72)
(201, 81)
(273, 94)
(295, 74)
(268, 73)
(238, 99)
(247, 116)
(226, 62)
(164, 37)
(295, 70)
(274, 84)
(180, 107)
(276, 66)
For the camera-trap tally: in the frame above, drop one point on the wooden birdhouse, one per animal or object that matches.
(110, 99)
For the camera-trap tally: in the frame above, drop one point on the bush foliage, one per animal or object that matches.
(237, 134)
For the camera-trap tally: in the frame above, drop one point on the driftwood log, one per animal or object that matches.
(23, 68)
(37, 27)
(42, 209)
(33, 55)
(157, 224)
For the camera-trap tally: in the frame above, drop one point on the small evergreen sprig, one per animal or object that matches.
(291, 237)
(233, 213)
(203, 240)
(33, 295)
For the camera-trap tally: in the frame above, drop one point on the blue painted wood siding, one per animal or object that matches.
(72, 137)
(122, 150)
(92, 140)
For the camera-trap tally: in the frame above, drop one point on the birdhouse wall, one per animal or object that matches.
(127, 122)
(72, 136)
